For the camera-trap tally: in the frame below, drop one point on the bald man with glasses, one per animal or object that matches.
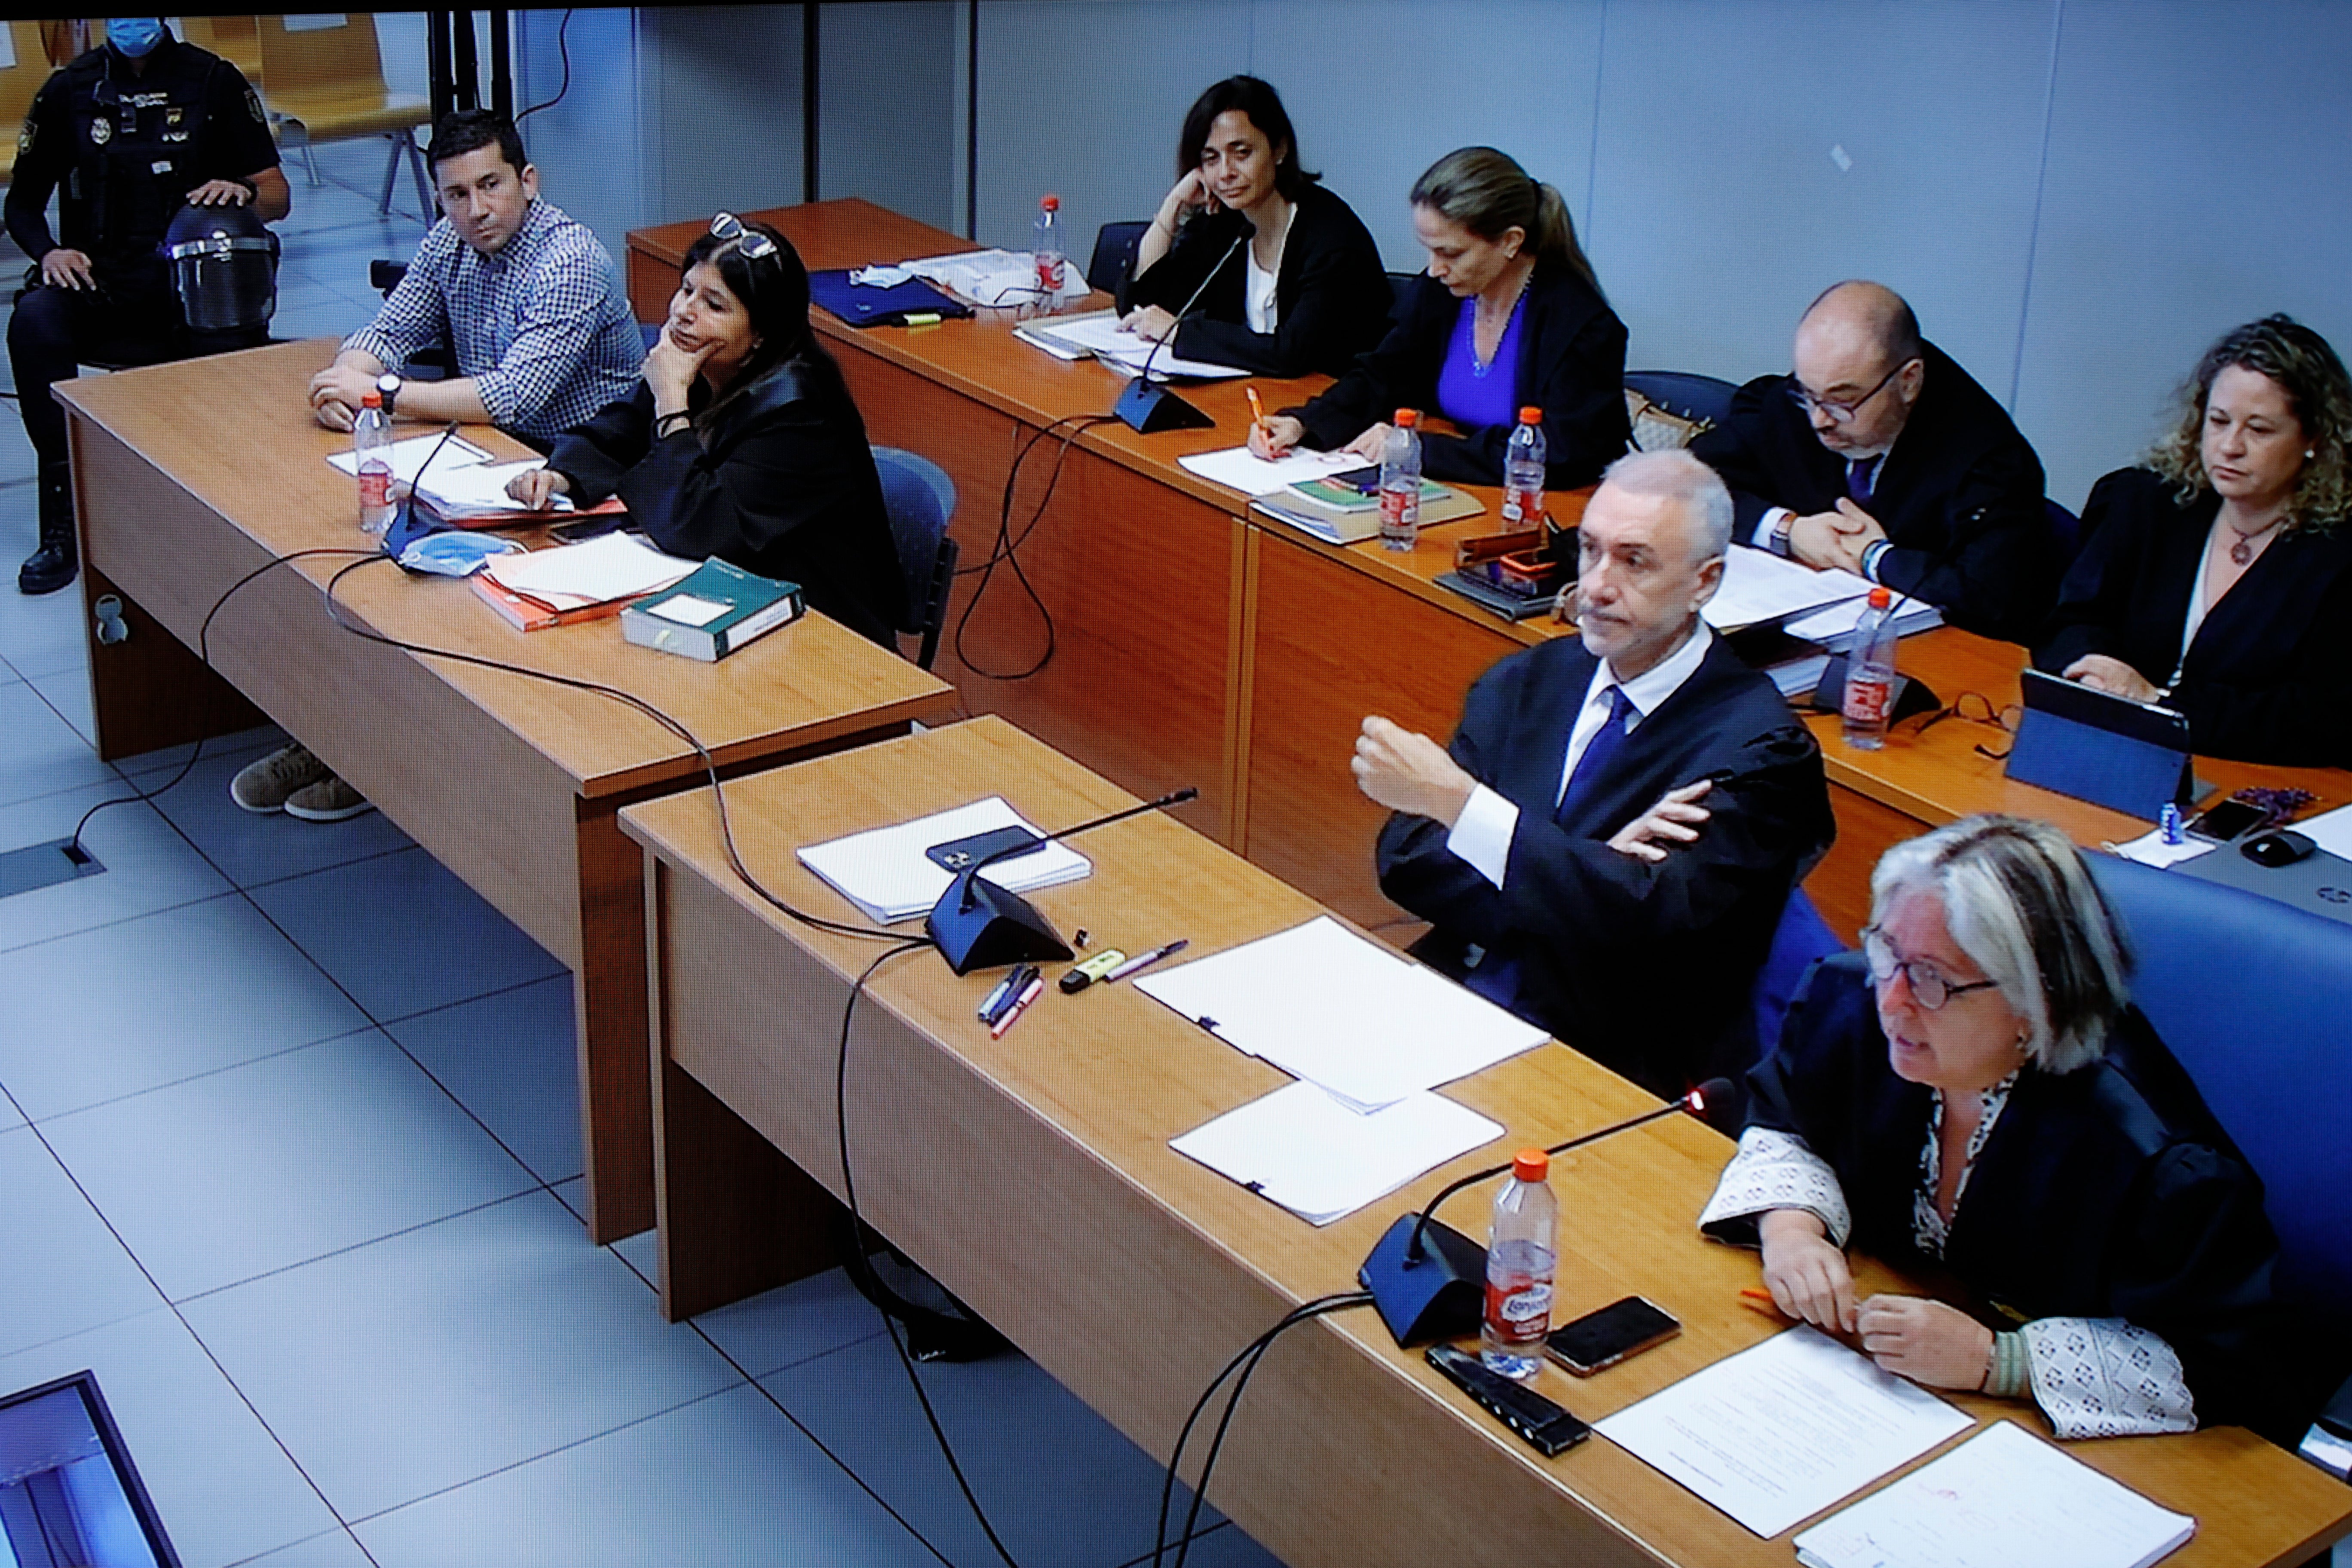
(1881, 455)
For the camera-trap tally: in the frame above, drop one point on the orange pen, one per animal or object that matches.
(1759, 1301)
(1257, 409)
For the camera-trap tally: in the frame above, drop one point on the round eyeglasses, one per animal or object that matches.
(1929, 987)
(1839, 413)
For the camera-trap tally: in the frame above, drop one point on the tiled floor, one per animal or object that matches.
(291, 1157)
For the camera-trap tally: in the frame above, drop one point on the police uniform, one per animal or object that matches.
(121, 152)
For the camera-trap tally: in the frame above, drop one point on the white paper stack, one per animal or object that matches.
(409, 455)
(1323, 1003)
(2150, 849)
(1099, 335)
(1761, 589)
(2004, 1498)
(994, 277)
(1320, 1158)
(1239, 469)
(1833, 628)
(886, 873)
(476, 490)
(572, 576)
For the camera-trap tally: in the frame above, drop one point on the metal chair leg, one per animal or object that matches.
(310, 158)
(417, 170)
(391, 172)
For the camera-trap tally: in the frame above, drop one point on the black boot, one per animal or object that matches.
(52, 566)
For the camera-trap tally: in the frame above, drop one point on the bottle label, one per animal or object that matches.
(1520, 1313)
(1523, 507)
(1865, 699)
(375, 485)
(1400, 509)
(1049, 271)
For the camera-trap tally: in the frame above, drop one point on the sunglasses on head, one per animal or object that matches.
(750, 241)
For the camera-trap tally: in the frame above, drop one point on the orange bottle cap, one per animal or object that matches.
(1530, 414)
(371, 399)
(1051, 204)
(1531, 1164)
(1406, 418)
(1880, 598)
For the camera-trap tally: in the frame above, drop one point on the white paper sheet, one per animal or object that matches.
(1099, 335)
(2004, 1498)
(615, 566)
(884, 872)
(2150, 849)
(1304, 1149)
(1833, 628)
(1775, 1434)
(408, 455)
(1760, 588)
(996, 277)
(1238, 469)
(2331, 831)
(479, 489)
(1323, 1003)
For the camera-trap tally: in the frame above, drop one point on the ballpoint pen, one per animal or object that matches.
(1144, 960)
(1257, 409)
(1029, 994)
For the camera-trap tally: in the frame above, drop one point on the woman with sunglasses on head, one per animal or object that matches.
(2217, 579)
(1508, 315)
(1973, 1094)
(1282, 277)
(741, 440)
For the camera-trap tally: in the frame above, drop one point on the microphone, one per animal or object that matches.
(976, 924)
(1149, 409)
(409, 524)
(1429, 1281)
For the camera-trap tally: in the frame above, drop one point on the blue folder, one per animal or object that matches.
(861, 306)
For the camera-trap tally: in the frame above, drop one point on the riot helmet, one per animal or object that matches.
(224, 264)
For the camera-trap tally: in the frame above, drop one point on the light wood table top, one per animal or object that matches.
(1036, 1181)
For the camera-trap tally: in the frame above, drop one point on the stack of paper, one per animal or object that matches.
(994, 277)
(1099, 335)
(1321, 1160)
(886, 873)
(2004, 1498)
(1323, 1003)
(2150, 849)
(1239, 469)
(573, 576)
(1777, 1434)
(1760, 588)
(1833, 628)
(409, 457)
(477, 491)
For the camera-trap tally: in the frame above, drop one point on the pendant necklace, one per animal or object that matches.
(1479, 366)
(2242, 549)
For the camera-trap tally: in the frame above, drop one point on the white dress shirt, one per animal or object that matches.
(1257, 294)
(1482, 834)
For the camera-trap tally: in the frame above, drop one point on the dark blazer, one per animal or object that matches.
(1571, 366)
(783, 484)
(2269, 679)
(2109, 1192)
(1960, 496)
(1646, 968)
(1331, 296)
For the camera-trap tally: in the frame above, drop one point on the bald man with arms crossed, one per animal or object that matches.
(1606, 846)
(1881, 455)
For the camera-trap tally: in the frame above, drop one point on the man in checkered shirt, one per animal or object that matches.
(528, 297)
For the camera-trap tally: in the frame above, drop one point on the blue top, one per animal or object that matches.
(1472, 396)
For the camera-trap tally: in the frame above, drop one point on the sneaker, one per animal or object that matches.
(328, 800)
(263, 787)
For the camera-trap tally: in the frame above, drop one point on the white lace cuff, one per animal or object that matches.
(1774, 1171)
(2102, 1377)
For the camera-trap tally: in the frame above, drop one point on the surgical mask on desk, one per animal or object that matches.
(456, 553)
(134, 37)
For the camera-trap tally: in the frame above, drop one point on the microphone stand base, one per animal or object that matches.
(979, 925)
(1440, 1295)
(1150, 409)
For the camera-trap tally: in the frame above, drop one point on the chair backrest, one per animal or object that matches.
(921, 501)
(2254, 998)
(319, 54)
(1685, 392)
(1114, 255)
(1400, 285)
(237, 40)
(20, 81)
(1802, 937)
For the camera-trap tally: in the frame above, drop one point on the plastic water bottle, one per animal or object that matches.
(372, 446)
(1521, 1252)
(1047, 248)
(1523, 472)
(1401, 483)
(1870, 675)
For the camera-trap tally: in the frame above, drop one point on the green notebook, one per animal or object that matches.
(1347, 498)
(712, 613)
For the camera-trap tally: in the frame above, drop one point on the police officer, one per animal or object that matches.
(123, 135)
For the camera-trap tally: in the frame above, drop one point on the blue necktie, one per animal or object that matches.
(1861, 477)
(1496, 978)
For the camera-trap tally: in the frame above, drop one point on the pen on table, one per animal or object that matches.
(1006, 990)
(1257, 409)
(1144, 960)
(1029, 994)
(1759, 1301)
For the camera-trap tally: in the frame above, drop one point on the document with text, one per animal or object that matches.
(1775, 1434)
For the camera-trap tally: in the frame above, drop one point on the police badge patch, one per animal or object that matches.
(102, 131)
(253, 102)
(25, 138)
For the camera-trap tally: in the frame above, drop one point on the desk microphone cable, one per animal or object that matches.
(1004, 550)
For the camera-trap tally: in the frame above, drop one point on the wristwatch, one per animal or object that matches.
(387, 385)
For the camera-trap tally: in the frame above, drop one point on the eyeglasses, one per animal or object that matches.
(1929, 987)
(750, 241)
(1839, 413)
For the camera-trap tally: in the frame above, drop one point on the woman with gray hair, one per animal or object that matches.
(1974, 1093)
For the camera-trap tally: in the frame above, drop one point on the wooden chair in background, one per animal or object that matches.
(237, 40)
(18, 83)
(323, 80)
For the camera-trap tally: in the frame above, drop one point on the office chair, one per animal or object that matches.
(436, 364)
(1684, 393)
(1114, 255)
(1802, 937)
(1400, 285)
(921, 501)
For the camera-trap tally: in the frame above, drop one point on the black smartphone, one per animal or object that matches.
(2225, 821)
(1363, 481)
(1604, 1338)
(590, 527)
(964, 854)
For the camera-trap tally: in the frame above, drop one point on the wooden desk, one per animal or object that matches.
(1032, 1176)
(189, 475)
(1197, 643)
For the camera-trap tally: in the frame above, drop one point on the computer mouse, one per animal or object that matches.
(2278, 848)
